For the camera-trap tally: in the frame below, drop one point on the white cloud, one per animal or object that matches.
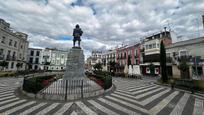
(105, 23)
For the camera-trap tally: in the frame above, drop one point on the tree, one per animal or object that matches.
(184, 68)
(112, 65)
(98, 66)
(18, 65)
(3, 64)
(164, 76)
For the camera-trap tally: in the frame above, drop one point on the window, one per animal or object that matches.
(8, 55)
(21, 46)
(12, 64)
(36, 60)
(9, 52)
(31, 60)
(38, 53)
(150, 46)
(135, 52)
(154, 45)
(1, 51)
(183, 53)
(147, 47)
(10, 42)
(31, 53)
(158, 46)
(3, 39)
(14, 55)
(35, 67)
(15, 44)
(20, 55)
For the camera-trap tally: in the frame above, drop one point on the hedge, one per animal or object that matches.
(7, 74)
(195, 84)
(35, 84)
(198, 84)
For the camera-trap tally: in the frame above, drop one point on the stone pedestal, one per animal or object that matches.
(75, 64)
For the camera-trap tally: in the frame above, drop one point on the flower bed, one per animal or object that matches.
(101, 78)
(35, 84)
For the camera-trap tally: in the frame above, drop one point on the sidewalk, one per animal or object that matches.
(198, 94)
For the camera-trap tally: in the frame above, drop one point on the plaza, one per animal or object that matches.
(129, 97)
(101, 57)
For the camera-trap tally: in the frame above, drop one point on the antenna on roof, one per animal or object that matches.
(168, 25)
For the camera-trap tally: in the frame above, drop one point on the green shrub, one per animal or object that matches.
(35, 84)
(32, 85)
(102, 73)
(198, 84)
(7, 74)
(107, 82)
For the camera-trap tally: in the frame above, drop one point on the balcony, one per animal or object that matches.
(184, 58)
(1, 57)
(10, 58)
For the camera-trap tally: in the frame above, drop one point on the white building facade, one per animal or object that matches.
(107, 57)
(193, 51)
(13, 47)
(96, 57)
(54, 59)
(34, 59)
(47, 59)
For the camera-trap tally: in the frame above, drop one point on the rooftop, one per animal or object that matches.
(187, 42)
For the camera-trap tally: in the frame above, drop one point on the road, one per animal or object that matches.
(131, 97)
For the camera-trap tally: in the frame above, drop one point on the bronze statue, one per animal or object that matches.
(77, 33)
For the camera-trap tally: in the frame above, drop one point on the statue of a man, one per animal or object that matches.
(77, 33)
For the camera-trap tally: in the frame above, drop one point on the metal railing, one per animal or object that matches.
(66, 89)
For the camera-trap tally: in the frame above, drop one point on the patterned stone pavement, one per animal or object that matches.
(131, 97)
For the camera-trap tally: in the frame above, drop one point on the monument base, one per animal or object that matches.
(75, 64)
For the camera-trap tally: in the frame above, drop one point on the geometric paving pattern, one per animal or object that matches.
(131, 97)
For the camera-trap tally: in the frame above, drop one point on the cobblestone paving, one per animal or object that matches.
(131, 97)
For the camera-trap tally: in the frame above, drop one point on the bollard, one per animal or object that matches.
(66, 90)
(82, 89)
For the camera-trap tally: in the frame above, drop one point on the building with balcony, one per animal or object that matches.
(34, 59)
(13, 47)
(151, 51)
(108, 57)
(54, 59)
(47, 59)
(96, 57)
(192, 51)
(128, 55)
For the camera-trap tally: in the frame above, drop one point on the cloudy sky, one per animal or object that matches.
(106, 23)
